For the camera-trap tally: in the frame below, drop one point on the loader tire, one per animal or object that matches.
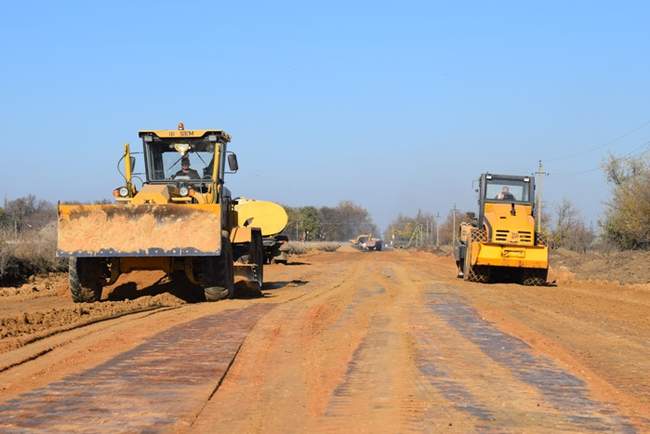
(256, 256)
(85, 279)
(534, 277)
(224, 274)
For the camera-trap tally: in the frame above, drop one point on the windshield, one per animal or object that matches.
(176, 161)
(508, 190)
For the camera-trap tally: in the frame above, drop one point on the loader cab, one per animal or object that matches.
(165, 152)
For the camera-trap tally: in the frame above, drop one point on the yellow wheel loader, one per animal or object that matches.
(503, 243)
(181, 220)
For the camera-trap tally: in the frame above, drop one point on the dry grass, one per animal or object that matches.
(29, 254)
(628, 266)
(302, 247)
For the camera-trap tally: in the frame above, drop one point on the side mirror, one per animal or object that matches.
(132, 163)
(232, 162)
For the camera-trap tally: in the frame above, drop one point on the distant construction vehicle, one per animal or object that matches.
(367, 242)
(182, 221)
(503, 242)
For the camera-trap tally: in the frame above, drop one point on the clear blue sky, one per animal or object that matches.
(395, 106)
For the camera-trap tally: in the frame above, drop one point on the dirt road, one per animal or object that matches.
(341, 342)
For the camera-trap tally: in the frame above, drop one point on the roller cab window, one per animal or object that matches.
(508, 190)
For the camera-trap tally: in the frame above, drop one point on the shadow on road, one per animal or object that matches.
(190, 293)
(284, 283)
(183, 290)
(292, 263)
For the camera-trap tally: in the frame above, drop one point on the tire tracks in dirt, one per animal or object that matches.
(381, 342)
(33, 348)
(98, 398)
(158, 385)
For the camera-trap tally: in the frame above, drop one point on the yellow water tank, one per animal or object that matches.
(268, 216)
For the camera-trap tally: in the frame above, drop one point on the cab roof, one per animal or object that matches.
(507, 177)
(221, 135)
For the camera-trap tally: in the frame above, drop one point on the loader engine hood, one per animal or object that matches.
(142, 229)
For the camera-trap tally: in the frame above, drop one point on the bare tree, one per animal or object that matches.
(570, 230)
(26, 213)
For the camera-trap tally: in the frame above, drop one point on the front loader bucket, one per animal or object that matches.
(139, 230)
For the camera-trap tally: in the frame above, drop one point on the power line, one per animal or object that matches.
(645, 148)
(645, 145)
(601, 146)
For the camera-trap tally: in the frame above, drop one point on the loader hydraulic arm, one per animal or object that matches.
(128, 169)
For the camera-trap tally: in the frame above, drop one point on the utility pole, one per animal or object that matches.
(539, 178)
(438, 229)
(453, 227)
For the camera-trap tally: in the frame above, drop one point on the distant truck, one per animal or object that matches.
(276, 249)
(367, 242)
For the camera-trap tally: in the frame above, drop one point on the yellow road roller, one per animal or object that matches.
(503, 243)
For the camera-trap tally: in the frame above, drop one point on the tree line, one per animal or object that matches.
(25, 213)
(424, 229)
(625, 223)
(343, 222)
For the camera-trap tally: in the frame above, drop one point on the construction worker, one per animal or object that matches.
(186, 171)
(505, 194)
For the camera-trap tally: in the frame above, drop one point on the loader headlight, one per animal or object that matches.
(184, 190)
(123, 191)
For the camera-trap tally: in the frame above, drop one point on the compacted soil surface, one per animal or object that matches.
(340, 342)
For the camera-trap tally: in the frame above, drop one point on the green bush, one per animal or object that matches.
(627, 218)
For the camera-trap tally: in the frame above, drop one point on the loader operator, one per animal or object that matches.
(505, 194)
(186, 170)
